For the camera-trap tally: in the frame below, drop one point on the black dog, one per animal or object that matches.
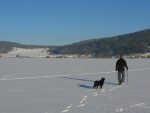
(99, 84)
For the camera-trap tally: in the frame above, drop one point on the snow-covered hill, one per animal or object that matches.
(64, 86)
(23, 52)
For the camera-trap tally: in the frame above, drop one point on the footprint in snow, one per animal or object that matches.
(67, 108)
(81, 101)
(119, 110)
(65, 111)
(143, 105)
(81, 105)
(137, 105)
(84, 98)
(95, 94)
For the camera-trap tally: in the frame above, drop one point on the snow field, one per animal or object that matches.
(64, 86)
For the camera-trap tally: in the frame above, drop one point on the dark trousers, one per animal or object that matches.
(121, 77)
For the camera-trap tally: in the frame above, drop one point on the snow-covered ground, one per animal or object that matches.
(64, 86)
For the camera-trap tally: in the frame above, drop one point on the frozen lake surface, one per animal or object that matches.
(64, 86)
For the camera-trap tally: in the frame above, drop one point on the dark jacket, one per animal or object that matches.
(121, 64)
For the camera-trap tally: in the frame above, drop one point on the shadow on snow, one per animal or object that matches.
(87, 86)
(78, 79)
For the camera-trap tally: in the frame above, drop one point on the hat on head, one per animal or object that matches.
(121, 54)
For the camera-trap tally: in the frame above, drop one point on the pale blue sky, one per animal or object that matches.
(59, 22)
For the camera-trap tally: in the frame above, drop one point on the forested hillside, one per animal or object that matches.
(132, 43)
(137, 42)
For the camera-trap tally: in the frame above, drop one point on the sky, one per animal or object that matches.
(61, 22)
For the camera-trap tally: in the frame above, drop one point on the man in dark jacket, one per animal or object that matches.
(120, 67)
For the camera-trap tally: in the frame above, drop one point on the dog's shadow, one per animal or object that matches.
(87, 86)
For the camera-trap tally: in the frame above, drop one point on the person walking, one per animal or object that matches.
(121, 64)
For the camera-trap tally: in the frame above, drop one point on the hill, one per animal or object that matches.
(132, 43)
(5, 47)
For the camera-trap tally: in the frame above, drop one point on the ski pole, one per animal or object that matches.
(127, 76)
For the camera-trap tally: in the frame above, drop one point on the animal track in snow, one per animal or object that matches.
(138, 105)
(119, 110)
(81, 101)
(80, 105)
(95, 94)
(65, 111)
(84, 98)
(143, 105)
(67, 108)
